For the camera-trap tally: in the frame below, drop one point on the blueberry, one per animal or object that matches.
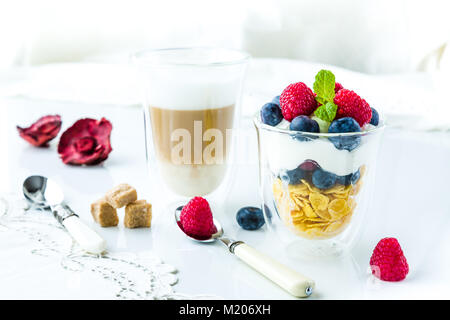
(271, 114)
(355, 177)
(344, 125)
(344, 180)
(250, 218)
(304, 124)
(323, 179)
(375, 117)
(276, 100)
(294, 176)
(351, 178)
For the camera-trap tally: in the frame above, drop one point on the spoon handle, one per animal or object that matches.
(88, 239)
(290, 280)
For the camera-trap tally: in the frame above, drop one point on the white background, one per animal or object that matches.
(371, 36)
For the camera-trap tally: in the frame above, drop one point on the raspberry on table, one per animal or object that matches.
(197, 220)
(297, 99)
(352, 105)
(388, 262)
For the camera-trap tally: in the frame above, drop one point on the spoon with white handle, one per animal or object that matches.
(46, 194)
(290, 280)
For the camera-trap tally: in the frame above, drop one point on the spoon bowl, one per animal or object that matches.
(42, 192)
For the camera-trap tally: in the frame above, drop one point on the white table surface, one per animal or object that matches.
(410, 203)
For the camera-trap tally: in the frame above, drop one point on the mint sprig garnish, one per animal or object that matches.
(324, 86)
(324, 89)
(326, 112)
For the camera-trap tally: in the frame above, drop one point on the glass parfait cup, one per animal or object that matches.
(316, 193)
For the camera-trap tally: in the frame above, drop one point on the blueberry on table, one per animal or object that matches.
(323, 179)
(304, 124)
(271, 114)
(375, 117)
(345, 125)
(250, 218)
(276, 100)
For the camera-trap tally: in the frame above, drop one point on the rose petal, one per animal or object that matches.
(42, 131)
(99, 130)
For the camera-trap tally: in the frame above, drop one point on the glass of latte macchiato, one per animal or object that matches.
(191, 104)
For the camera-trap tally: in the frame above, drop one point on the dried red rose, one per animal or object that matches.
(86, 142)
(42, 131)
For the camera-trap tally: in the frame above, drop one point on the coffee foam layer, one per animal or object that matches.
(193, 93)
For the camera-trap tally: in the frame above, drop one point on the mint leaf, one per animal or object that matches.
(321, 100)
(324, 86)
(324, 89)
(326, 112)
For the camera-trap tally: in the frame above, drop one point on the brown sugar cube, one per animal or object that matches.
(121, 195)
(138, 214)
(104, 214)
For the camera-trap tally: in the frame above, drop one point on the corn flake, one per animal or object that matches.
(338, 208)
(333, 227)
(309, 212)
(310, 187)
(318, 201)
(324, 214)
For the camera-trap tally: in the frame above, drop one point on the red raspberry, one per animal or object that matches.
(351, 105)
(297, 99)
(337, 87)
(197, 220)
(388, 262)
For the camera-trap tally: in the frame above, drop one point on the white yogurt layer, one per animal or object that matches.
(285, 153)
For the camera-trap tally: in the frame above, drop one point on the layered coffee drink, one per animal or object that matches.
(192, 97)
(192, 146)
